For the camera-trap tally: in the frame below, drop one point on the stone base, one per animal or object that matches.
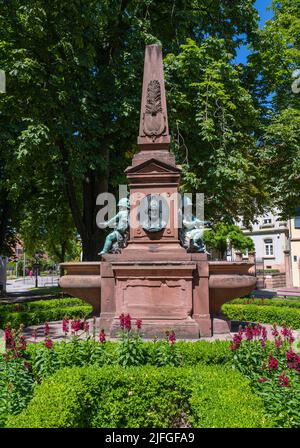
(221, 325)
(187, 329)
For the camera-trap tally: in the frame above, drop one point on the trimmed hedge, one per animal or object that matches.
(268, 302)
(38, 312)
(143, 397)
(263, 314)
(79, 353)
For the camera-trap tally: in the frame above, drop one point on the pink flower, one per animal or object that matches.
(263, 343)
(273, 363)
(283, 380)
(75, 325)
(65, 325)
(138, 324)
(278, 343)
(264, 333)
(172, 337)
(23, 343)
(10, 342)
(262, 379)
(46, 329)
(125, 322)
(237, 339)
(249, 333)
(86, 326)
(48, 343)
(257, 330)
(275, 331)
(102, 337)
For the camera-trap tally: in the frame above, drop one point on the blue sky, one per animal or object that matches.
(265, 14)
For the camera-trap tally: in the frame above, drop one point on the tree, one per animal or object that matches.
(214, 122)
(223, 235)
(74, 77)
(274, 61)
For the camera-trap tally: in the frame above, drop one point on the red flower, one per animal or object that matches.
(278, 342)
(275, 331)
(86, 326)
(262, 379)
(10, 342)
(65, 325)
(283, 380)
(138, 324)
(249, 333)
(237, 339)
(273, 363)
(23, 343)
(263, 343)
(264, 333)
(48, 343)
(46, 329)
(288, 334)
(125, 322)
(75, 325)
(172, 337)
(102, 337)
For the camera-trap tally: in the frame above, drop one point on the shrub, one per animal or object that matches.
(295, 303)
(266, 314)
(273, 367)
(34, 313)
(149, 397)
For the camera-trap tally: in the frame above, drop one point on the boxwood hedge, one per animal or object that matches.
(37, 312)
(270, 314)
(148, 397)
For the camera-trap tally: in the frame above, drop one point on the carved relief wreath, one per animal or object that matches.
(154, 120)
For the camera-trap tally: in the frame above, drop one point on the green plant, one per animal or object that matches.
(130, 350)
(295, 303)
(149, 397)
(268, 314)
(273, 368)
(37, 312)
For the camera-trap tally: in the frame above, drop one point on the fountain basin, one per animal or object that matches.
(226, 281)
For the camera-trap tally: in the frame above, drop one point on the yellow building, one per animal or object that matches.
(294, 229)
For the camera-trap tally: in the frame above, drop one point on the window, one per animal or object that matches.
(269, 250)
(267, 221)
(297, 218)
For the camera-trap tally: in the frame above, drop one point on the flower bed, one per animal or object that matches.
(86, 382)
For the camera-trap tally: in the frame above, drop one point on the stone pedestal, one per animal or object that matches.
(166, 295)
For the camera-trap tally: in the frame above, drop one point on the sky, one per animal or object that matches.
(265, 14)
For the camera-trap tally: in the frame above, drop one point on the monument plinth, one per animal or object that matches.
(155, 278)
(154, 273)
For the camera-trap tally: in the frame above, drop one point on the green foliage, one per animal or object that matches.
(166, 354)
(130, 350)
(38, 312)
(268, 302)
(272, 367)
(222, 235)
(213, 121)
(16, 387)
(113, 397)
(76, 352)
(267, 314)
(84, 60)
(276, 56)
